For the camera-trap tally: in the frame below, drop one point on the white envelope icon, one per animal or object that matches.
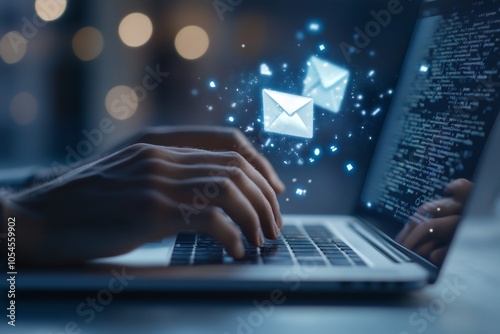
(325, 83)
(288, 114)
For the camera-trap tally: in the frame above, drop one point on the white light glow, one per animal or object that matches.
(135, 29)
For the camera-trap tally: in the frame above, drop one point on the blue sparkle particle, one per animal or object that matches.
(301, 192)
(212, 84)
(317, 151)
(314, 26)
(230, 119)
(349, 167)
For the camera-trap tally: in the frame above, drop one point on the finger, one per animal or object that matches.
(439, 229)
(252, 192)
(220, 192)
(218, 226)
(234, 160)
(437, 256)
(441, 208)
(209, 221)
(425, 249)
(154, 160)
(220, 139)
(459, 189)
(406, 231)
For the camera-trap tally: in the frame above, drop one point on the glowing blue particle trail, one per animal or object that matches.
(371, 73)
(333, 148)
(376, 111)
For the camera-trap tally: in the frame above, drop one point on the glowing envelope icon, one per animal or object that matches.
(326, 84)
(288, 114)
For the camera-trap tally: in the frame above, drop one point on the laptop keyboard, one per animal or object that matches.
(314, 245)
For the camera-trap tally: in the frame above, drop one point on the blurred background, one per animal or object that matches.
(78, 77)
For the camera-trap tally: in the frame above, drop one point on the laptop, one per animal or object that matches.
(442, 111)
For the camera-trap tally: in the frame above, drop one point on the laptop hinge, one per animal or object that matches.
(384, 248)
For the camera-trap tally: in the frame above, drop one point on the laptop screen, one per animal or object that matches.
(444, 108)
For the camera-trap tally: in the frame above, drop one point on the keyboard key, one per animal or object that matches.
(311, 261)
(340, 262)
(174, 262)
(277, 260)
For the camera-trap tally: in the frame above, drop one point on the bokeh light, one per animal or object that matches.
(88, 43)
(13, 47)
(122, 102)
(24, 108)
(192, 42)
(135, 29)
(50, 10)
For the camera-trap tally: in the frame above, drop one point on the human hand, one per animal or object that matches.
(430, 230)
(141, 194)
(213, 138)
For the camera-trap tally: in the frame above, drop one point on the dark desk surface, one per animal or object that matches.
(466, 299)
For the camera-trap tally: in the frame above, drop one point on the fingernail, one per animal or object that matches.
(240, 251)
(281, 186)
(261, 240)
(276, 230)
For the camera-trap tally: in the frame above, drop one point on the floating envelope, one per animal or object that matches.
(288, 114)
(325, 83)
